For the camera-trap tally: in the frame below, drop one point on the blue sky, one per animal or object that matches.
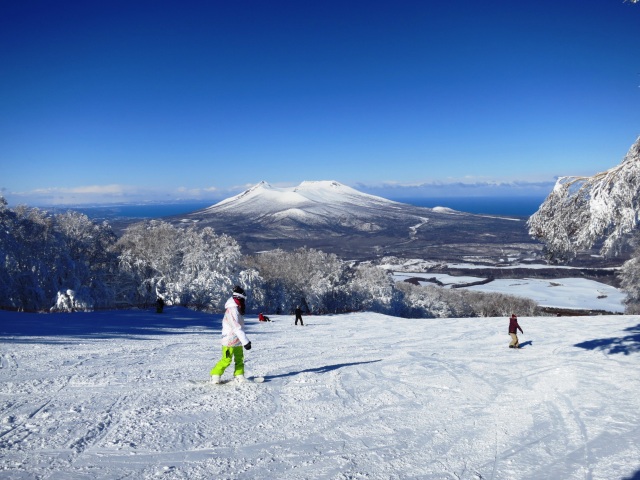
(123, 101)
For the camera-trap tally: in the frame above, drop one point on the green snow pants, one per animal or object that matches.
(228, 353)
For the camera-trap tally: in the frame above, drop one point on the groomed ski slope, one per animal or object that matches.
(111, 395)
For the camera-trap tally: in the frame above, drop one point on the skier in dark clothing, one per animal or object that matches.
(159, 305)
(299, 316)
(513, 331)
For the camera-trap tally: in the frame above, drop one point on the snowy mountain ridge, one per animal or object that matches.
(335, 218)
(322, 197)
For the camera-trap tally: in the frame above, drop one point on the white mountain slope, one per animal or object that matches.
(321, 196)
(338, 219)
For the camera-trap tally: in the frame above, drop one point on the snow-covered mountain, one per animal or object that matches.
(335, 218)
(311, 205)
(313, 198)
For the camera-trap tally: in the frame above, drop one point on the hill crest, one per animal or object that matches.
(335, 218)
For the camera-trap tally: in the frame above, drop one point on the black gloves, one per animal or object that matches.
(247, 346)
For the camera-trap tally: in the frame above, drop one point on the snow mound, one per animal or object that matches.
(445, 210)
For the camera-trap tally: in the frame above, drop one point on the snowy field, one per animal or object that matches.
(572, 293)
(112, 395)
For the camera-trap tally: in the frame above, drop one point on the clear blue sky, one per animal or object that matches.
(144, 100)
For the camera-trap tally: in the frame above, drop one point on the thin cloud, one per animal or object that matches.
(459, 188)
(116, 193)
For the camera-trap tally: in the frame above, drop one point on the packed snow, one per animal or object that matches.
(124, 394)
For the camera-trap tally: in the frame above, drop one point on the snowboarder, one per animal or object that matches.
(233, 337)
(263, 318)
(513, 331)
(299, 315)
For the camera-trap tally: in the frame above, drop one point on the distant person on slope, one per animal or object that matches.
(159, 304)
(263, 318)
(513, 331)
(233, 337)
(299, 315)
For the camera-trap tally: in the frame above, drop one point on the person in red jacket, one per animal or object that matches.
(513, 331)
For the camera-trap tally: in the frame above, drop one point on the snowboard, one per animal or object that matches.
(232, 381)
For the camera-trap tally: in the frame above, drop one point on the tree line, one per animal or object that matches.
(66, 262)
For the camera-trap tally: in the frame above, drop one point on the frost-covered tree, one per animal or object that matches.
(43, 254)
(306, 277)
(87, 264)
(209, 269)
(629, 276)
(493, 304)
(582, 211)
(149, 260)
(190, 267)
(431, 301)
(373, 288)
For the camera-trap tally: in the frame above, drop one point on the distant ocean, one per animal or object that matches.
(156, 210)
(514, 206)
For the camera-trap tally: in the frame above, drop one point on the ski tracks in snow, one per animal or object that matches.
(346, 397)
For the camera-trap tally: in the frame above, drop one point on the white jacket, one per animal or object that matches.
(233, 326)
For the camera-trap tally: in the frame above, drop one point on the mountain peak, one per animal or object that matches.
(339, 219)
(267, 199)
(318, 184)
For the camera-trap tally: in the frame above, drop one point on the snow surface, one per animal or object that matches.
(571, 293)
(308, 193)
(124, 395)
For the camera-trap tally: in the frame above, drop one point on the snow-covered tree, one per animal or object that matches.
(44, 254)
(149, 260)
(373, 288)
(209, 269)
(582, 211)
(431, 301)
(629, 276)
(190, 267)
(310, 278)
(86, 263)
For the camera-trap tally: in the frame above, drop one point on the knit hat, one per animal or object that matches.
(238, 292)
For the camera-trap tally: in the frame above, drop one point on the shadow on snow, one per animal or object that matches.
(62, 327)
(324, 369)
(626, 344)
(636, 476)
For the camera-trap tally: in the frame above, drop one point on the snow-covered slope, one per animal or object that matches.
(321, 196)
(310, 204)
(339, 219)
(122, 394)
